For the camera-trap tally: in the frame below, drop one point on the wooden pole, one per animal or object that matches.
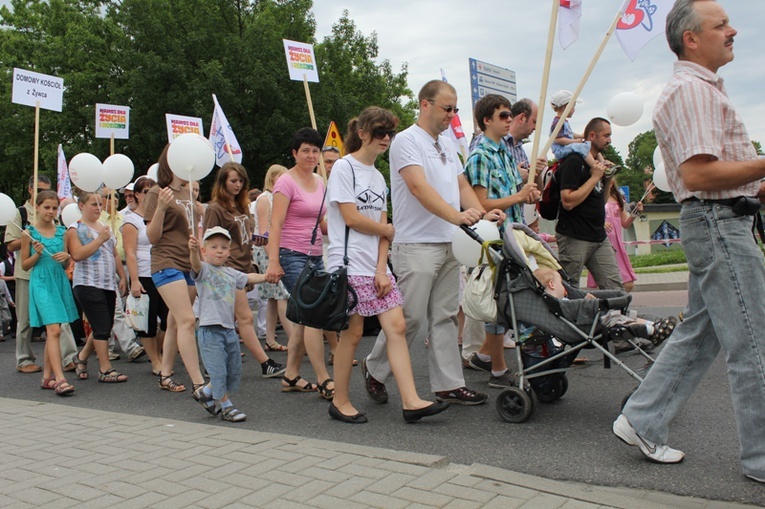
(322, 170)
(543, 90)
(111, 145)
(192, 225)
(35, 164)
(584, 79)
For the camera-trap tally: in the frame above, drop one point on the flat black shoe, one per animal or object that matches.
(432, 409)
(359, 418)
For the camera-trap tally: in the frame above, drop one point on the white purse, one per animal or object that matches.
(478, 298)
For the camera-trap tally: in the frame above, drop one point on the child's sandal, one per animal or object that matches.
(662, 330)
(207, 401)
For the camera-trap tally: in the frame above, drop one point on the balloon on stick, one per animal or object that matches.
(118, 171)
(86, 172)
(660, 178)
(191, 157)
(468, 251)
(625, 108)
(658, 158)
(7, 209)
(152, 173)
(71, 214)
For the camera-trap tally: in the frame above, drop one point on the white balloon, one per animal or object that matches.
(118, 171)
(191, 157)
(660, 178)
(71, 214)
(468, 251)
(152, 173)
(625, 108)
(85, 171)
(7, 209)
(657, 157)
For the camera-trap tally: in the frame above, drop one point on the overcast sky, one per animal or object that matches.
(434, 34)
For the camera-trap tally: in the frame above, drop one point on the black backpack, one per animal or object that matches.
(550, 203)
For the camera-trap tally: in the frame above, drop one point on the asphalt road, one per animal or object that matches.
(570, 439)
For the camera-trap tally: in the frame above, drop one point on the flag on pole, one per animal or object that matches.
(63, 185)
(334, 139)
(456, 132)
(569, 14)
(642, 21)
(222, 138)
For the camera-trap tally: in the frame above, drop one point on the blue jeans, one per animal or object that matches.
(292, 263)
(222, 357)
(725, 311)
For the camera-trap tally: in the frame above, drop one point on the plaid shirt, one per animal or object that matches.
(490, 165)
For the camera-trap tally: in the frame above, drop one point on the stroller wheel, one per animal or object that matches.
(514, 405)
(555, 393)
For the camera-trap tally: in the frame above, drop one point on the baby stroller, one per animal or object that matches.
(550, 331)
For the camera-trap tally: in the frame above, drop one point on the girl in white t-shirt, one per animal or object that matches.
(357, 197)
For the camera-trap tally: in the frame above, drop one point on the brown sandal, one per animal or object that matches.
(112, 377)
(169, 383)
(63, 388)
(275, 347)
(48, 383)
(81, 374)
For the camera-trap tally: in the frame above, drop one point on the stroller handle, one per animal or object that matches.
(474, 235)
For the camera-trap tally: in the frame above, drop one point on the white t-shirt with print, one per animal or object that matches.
(413, 222)
(370, 197)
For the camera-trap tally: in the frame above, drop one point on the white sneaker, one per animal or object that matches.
(509, 341)
(654, 452)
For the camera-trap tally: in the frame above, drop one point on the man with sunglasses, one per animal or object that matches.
(492, 172)
(25, 357)
(430, 197)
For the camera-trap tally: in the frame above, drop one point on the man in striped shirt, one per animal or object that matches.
(714, 172)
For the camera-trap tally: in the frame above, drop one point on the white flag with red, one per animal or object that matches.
(455, 130)
(642, 21)
(63, 185)
(222, 138)
(569, 15)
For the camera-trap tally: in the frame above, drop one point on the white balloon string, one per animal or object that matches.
(648, 190)
(191, 209)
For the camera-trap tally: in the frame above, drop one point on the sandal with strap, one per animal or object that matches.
(82, 374)
(325, 392)
(169, 383)
(112, 377)
(294, 387)
(662, 330)
(48, 383)
(233, 414)
(275, 347)
(63, 388)
(207, 401)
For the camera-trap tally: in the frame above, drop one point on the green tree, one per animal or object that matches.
(170, 56)
(640, 167)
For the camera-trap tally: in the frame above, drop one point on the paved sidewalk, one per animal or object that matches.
(53, 455)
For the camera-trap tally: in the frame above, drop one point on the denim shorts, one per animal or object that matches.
(493, 328)
(165, 276)
(292, 263)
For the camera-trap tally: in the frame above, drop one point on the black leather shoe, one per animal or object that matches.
(432, 409)
(359, 418)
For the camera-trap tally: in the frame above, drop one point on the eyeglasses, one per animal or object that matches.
(447, 109)
(330, 149)
(504, 115)
(379, 133)
(441, 152)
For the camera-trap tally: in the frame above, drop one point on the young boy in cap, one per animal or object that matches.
(218, 341)
(568, 142)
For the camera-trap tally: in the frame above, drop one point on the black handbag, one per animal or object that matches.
(321, 299)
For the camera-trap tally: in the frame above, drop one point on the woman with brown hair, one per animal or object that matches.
(168, 214)
(229, 209)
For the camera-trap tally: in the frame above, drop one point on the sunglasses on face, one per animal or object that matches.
(504, 115)
(379, 133)
(447, 109)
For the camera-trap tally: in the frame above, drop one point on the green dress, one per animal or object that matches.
(50, 292)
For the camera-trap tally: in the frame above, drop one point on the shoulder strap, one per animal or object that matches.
(24, 217)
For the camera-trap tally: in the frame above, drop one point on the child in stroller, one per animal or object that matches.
(533, 299)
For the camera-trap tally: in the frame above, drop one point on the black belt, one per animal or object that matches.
(728, 202)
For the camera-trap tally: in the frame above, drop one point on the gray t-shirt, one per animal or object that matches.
(216, 290)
